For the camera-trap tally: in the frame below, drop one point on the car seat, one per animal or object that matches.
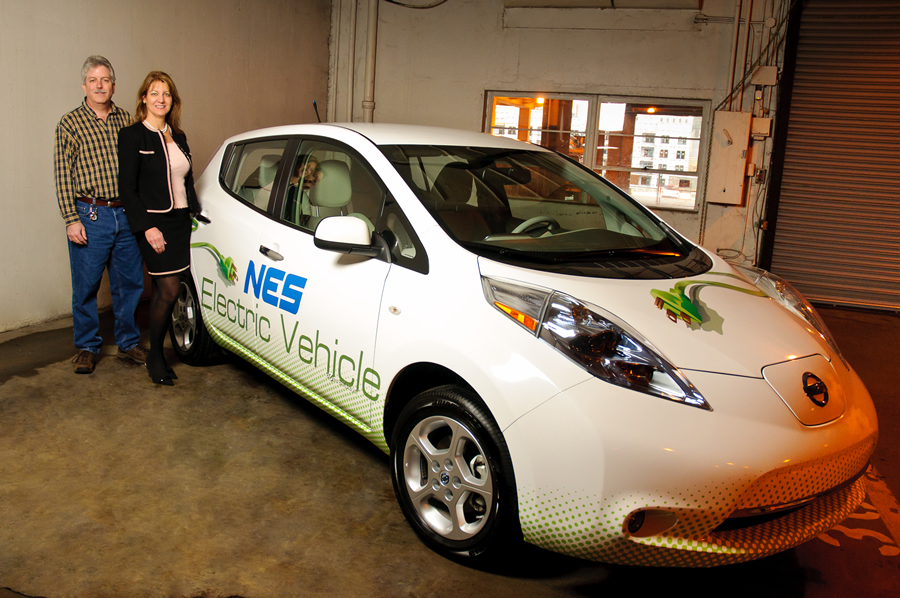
(331, 196)
(268, 167)
(454, 190)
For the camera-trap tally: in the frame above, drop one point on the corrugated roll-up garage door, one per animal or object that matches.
(838, 224)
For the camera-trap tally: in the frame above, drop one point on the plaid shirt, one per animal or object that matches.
(86, 157)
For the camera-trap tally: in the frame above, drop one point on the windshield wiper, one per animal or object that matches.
(513, 254)
(628, 252)
(684, 246)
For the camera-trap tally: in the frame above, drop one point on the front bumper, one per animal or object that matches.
(592, 458)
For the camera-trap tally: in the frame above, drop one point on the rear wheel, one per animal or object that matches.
(190, 339)
(453, 476)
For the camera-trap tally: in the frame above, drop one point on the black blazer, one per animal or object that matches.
(144, 185)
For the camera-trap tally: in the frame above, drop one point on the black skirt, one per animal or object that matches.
(175, 227)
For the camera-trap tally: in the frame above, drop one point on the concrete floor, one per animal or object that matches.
(229, 485)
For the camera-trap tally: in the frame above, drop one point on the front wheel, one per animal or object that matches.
(191, 340)
(453, 478)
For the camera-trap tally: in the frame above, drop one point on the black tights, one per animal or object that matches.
(162, 300)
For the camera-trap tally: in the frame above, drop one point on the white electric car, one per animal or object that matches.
(541, 356)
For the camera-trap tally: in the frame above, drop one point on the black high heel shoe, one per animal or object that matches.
(164, 381)
(156, 377)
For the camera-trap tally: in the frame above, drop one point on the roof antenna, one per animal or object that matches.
(317, 112)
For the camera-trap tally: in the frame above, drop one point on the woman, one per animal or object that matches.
(156, 186)
(306, 175)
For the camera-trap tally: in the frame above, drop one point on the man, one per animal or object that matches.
(87, 188)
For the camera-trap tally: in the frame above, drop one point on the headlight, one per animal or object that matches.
(784, 293)
(594, 339)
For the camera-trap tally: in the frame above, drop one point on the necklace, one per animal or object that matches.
(152, 128)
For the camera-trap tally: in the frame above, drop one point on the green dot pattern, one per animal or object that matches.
(808, 478)
(593, 527)
(345, 404)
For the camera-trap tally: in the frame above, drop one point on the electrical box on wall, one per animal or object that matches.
(760, 127)
(728, 157)
(764, 75)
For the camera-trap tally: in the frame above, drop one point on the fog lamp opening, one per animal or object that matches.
(649, 522)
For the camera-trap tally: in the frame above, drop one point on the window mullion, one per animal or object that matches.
(592, 133)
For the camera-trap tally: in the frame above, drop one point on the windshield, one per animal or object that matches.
(536, 208)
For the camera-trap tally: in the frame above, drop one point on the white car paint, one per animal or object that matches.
(588, 456)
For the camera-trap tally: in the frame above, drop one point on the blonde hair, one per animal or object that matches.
(173, 118)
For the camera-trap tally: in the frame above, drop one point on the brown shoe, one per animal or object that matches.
(137, 354)
(84, 362)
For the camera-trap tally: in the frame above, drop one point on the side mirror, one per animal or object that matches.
(349, 234)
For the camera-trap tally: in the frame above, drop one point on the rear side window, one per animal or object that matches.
(250, 173)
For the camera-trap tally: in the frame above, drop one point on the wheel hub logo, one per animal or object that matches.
(445, 478)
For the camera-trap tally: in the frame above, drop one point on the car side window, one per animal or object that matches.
(329, 180)
(251, 171)
(406, 249)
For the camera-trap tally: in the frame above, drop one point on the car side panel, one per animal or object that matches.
(324, 334)
(220, 254)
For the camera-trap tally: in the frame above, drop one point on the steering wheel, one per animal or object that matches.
(533, 223)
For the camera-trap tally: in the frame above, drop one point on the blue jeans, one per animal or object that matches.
(110, 245)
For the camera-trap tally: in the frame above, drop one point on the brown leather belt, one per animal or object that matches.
(100, 202)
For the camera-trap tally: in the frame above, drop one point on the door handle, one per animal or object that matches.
(271, 254)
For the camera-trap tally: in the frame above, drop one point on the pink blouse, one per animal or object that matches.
(179, 166)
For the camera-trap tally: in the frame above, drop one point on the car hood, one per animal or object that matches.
(716, 322)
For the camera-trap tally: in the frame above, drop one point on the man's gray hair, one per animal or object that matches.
(94, 62)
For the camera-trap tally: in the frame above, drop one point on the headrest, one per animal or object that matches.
(333, 189)
(454, 184)
(515, 175)
(268, 166)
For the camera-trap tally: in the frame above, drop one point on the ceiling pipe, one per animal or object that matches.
(368, 103)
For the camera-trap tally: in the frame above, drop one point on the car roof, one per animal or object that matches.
(395, 134)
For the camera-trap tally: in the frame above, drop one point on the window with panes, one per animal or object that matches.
(624, 139)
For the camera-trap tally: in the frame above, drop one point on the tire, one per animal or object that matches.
(453, 477)
(191, 340)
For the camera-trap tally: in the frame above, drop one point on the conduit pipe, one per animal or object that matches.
(746, 52)
(771, 54)
(734, 49)
(351, 60)
(368, 103)
(334, 65)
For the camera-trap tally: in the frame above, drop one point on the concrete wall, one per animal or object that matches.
(434, 66)
(238, 64)
(244, 64)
